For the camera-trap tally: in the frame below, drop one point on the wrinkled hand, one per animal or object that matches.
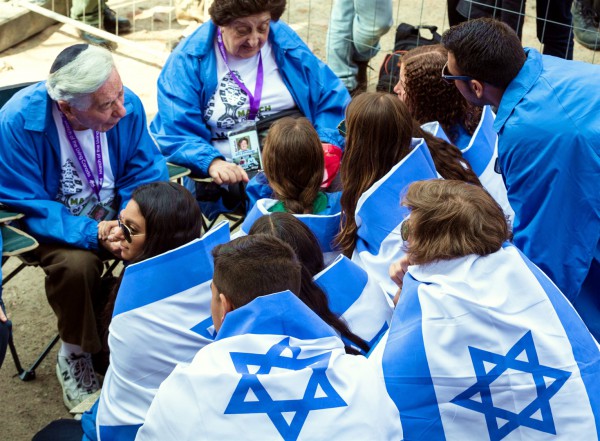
(224, 172)
(106, 228)
(397, 272)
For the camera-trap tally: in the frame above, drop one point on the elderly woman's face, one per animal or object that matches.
(244, 37)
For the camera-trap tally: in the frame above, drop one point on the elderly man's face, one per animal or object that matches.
(105, 110)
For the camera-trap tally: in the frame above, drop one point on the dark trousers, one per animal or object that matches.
(553, 22)
(63, 430)
(73, 289)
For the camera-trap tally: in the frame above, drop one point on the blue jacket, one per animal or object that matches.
(30, 158)
(548, 124)
(189, 80)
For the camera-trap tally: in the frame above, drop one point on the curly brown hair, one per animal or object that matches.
(430, 98)
(294, 163)
(223, 12)
(451, 219)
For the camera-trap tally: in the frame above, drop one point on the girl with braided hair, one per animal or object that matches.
(294, 166)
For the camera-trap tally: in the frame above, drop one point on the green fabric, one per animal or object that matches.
(15, 241)
(86, 11)
(177, 171)
(319, 205)
(7, 216)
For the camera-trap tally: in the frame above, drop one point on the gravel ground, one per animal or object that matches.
(26, 407)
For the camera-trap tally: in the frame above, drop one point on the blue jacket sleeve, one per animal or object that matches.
(318, 92)
(179, 127)
(22, 189)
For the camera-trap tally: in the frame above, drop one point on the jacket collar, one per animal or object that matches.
(519, 87)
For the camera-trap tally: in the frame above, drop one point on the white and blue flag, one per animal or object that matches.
(482, 154)
(324, 226)
(379, 215)
(356, 298)
(162, 317)
(275, 372)
(488, 348)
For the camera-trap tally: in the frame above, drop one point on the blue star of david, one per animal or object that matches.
(275, 409)
(484, 379)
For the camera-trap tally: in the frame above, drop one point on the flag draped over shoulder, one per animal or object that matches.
(482, 154)
(357, 298)
(162, 317)
(488, 348)
(379, 215)
(275, 371)
(324, 226)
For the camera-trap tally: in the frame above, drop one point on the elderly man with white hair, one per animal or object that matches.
(73, 149)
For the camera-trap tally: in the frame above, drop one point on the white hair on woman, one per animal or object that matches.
(79, 71)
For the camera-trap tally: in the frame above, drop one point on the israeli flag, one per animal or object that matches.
(379, 215)
(488, 348)
(275, 372)
(482, 154)
(162, 317)
(324, 226)
(356, 298)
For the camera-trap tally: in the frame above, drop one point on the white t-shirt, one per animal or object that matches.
(74, 190)
(228, 108)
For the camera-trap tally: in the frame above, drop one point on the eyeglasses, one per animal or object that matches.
(404, 230)
(342, 127)
(127, 231)
(449, 78)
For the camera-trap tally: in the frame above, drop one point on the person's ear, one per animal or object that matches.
(226, 306)
(64, 107)
(478, 88)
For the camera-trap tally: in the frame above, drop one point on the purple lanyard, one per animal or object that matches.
(81, 157)
(254, 99)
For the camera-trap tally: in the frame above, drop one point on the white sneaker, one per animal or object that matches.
(77, 377)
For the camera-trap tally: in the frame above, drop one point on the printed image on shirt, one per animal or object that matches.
(71, 194)
(70, 187)
(233, 99)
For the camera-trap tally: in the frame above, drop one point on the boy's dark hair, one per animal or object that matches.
(252, 266)
(486, 49)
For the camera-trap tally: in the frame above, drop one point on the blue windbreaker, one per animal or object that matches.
(189, 80)
(548, 124)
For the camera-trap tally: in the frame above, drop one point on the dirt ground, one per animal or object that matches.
(26, 407)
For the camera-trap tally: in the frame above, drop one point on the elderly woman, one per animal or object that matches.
(479, 330)
(242, 66)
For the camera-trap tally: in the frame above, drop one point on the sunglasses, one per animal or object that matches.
(127, 231)
(450, 78)
(404, 230)
(342, 127)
